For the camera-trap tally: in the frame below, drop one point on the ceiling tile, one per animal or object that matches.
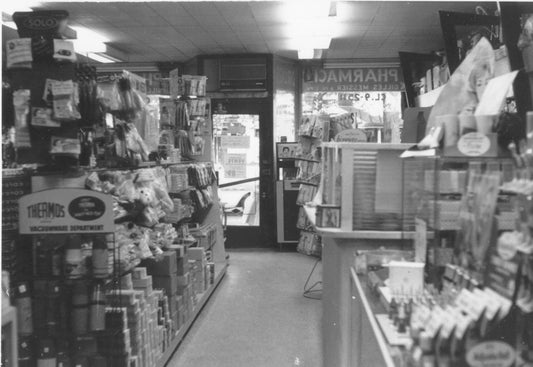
(201, 10)
(266, 9)
(235, 9)
(250, 36)
(339, 54)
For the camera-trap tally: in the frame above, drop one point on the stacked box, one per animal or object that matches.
(198, 264)
(115, 342)
(172, 275)
(205, 235)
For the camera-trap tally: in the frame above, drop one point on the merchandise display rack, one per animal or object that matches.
(314, 129)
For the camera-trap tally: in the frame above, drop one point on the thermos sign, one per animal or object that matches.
(493, 354)
(86, 208)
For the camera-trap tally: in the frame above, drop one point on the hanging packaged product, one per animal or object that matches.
(24, 309)
(167, 114)
(64, 50)
(42, 116)
(176, 84)
(65, 100)
(65, 146)
(182, 121)
(202, 82)
(21, 102)
(107, 95)
(18, 52)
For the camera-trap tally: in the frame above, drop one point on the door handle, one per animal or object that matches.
(264, 195)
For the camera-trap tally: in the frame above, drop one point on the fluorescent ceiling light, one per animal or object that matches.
(11, 25)
(309, 42)
(103, 58)
(88, 41)
(306, 53)
(305, 9)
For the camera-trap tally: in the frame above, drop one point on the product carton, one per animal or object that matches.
(166, 266)
(168, 283)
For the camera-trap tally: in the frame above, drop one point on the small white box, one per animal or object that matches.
(406, 278)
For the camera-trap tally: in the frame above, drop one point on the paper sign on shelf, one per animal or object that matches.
(62, 211)
(494, 95)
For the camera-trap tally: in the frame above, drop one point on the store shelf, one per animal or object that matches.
(340, 233)
(369, 306)
(203, 298)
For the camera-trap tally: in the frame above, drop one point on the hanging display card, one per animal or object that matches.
(66, 211)
(13, 187)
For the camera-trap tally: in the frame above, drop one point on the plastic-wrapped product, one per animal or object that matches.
(65, 100)
(21, 102)
(64, 50)
(18, 53)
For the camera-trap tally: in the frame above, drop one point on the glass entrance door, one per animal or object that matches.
(243, 142)
(237, 162)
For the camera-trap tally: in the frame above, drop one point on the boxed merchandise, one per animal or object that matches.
(167, 283)
(85, 346)
(139, 273)
(184, 280)
(167, 265)
(196, 253)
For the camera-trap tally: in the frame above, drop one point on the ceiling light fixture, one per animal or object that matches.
(88, 41)
(300, 43)
(102, 57)
(306, 53)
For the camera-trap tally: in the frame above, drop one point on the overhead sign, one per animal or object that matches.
(360, 79)
(62, 211)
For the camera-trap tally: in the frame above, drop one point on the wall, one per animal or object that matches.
(286, 96)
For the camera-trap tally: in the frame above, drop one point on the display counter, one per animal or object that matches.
(349, 330)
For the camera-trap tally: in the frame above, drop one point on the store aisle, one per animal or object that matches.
(258, 316)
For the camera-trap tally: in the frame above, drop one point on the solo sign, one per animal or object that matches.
(66, 211)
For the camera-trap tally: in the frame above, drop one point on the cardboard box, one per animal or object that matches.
(184, 280)
(166, 266)
(196, 253)
(168, 283)
(179, 249)
(139, 273)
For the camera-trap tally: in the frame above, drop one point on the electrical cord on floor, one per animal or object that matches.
(311, 292)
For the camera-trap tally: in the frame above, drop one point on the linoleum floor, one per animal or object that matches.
(257, 316)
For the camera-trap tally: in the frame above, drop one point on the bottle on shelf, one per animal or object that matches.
(74, 267)
(100, 257)
(80, 308)
(97, 308)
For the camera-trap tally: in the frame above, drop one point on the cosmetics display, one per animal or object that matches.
(111, 270)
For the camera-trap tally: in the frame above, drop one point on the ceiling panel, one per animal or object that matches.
(182, 30)
(201, 10)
